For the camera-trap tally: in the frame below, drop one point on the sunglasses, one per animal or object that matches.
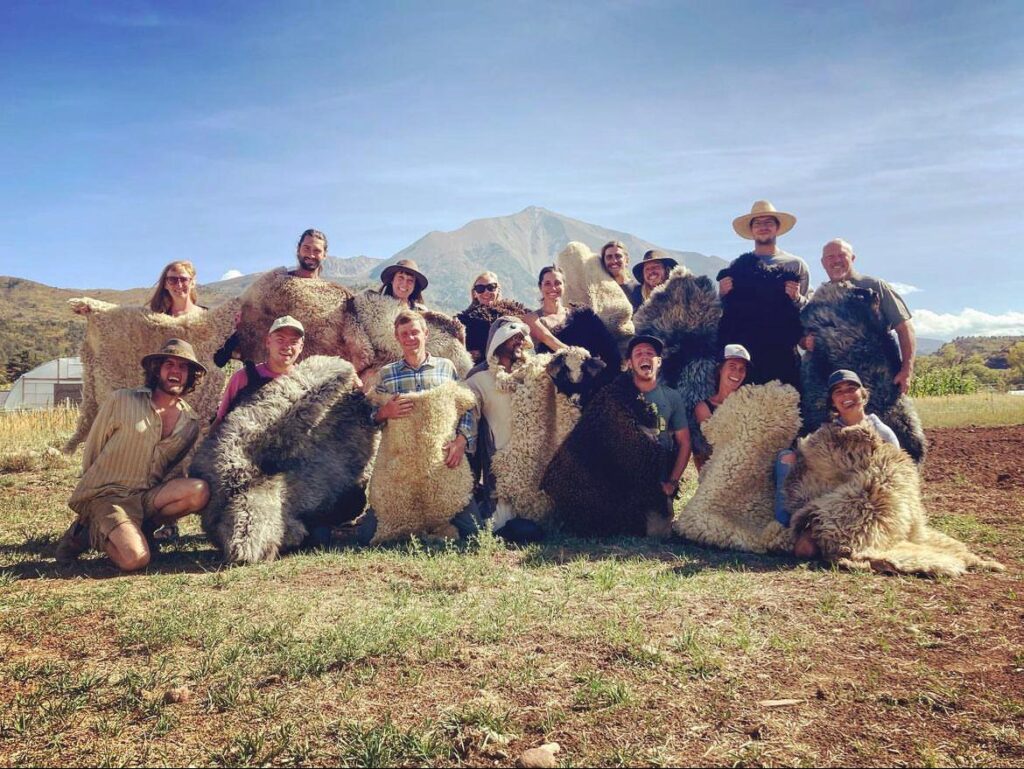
(481, 287)
(176, 279)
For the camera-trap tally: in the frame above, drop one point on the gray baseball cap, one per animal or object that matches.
(843, 375)
(287, 321)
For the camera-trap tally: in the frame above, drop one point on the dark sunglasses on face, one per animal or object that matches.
(481, 287)
(176, 279)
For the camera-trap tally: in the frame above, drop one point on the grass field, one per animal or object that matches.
(625, 652)
(979, 410)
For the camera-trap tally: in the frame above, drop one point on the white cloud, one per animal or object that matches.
(967, 322)
(904, 288)
(231, 274)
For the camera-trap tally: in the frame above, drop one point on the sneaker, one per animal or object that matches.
(167, 533)
(74, 542)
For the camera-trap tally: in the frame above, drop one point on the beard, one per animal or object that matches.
(309, 263)
(765, 241)
(175, 389)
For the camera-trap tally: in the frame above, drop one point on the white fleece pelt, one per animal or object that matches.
(733, 505)
(587, 284)
(412, 491)
(861, 499)
(543, 418)
(376, 313)
(296, 452)
(117, 338)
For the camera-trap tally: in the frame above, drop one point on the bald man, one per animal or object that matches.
(837, 257)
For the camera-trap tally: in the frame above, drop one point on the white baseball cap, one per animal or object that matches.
(287, 321)
(736, 351)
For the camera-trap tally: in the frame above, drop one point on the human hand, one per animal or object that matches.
(399, 407)
(902, 379)
(669, 488)
(454, 451)
(808, 342)
(792, 289)
(724, 286)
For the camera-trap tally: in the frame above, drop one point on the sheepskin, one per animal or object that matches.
(324, 308)
(684, 312)
(117, 338)
(605, 478)
(412, 491)
(849, 333)
(759, 315)
(297, 451)
(376, 313)
(477, 320)
(861, 499)
(587, 284)
(733, 505)
(582, 328)
(544, 392)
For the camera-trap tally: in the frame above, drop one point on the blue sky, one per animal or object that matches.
(134, 133)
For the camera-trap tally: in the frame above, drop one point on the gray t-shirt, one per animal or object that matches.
(797, 266)
(893, 308)
(671, 414)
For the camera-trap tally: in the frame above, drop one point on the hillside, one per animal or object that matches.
(992, 349)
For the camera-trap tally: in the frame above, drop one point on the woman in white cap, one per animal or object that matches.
(732, 372)
(404, 281)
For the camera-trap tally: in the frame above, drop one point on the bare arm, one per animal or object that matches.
(908, 348)
(682, 457)
(540, 333)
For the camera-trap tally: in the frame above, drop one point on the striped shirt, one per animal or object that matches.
(399, 378)
(125, 454)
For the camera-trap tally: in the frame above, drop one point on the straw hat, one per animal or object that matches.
(762, 208)
(653, 256)
(405, 265)
(177, 348)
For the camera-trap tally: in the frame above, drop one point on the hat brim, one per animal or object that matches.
(638, 269)
(741, 224)
(653, 341)
(199, 366)
(389, 273)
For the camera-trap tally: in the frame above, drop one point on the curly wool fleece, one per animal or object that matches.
(861, 499)
(733, 506)
(587, 284)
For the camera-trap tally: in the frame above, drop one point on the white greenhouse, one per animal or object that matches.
(48, 384)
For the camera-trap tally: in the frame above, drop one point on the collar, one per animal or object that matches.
(181, 405)
(428, 362)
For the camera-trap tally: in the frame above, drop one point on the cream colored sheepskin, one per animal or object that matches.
(543, 418)
(412, 491)
(376, 313)
(324, 308)
(733, 504)
(861, 500)
(587, 284)
(117, 338)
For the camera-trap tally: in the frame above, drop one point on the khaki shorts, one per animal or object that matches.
(104, 514)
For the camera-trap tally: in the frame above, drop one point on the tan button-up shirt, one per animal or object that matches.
(124, 453)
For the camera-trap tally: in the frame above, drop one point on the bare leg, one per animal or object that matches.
(127, 547)
(180, 497)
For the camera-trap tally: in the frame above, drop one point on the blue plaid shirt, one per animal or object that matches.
(399, 378)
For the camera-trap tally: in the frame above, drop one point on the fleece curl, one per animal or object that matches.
(412, 491)
(733, 505)
(297, 450)
(861, 499)
(849, 333)
(477, 320)
(117, 338)
(587, 284)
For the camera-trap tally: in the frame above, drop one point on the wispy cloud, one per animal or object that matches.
(967, 322)
(231, 274)
(905, 288)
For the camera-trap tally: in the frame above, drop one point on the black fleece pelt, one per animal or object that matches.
(849, 333)
(292, 457)
(583, 328)
(606, 476)
(478, 318)
(759, 315)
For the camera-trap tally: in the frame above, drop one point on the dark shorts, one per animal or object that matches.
(104, 514)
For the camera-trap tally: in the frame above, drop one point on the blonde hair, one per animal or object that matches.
(161, 300)
(410, 316)
(617, 244)
(488, 276)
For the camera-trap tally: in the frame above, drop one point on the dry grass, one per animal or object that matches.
(976, 410)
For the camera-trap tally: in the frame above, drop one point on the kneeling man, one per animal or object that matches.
(133, 475)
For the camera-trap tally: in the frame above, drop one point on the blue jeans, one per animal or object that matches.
(781, 471)
(467, 521)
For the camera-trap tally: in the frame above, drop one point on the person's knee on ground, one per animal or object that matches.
(805, 546)
(126, 546)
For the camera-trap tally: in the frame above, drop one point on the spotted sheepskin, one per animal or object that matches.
(733, 506)
(861, 499)
(849, 333)
(588, 285)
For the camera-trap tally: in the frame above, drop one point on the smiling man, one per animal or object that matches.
(133, 473)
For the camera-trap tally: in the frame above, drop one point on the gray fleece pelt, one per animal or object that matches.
(296, 452)
(684, 312)
(849, 333)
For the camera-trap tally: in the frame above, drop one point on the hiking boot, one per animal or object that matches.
(73, 543)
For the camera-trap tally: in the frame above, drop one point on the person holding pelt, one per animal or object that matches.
(615, 260)
(731, 372)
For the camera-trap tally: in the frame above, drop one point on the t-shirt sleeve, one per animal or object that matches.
(893, 308)
(238, 380)
(884, 431)
(677, 420)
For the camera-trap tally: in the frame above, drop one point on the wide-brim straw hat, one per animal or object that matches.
(653, 256)
(176, 348)
(405, 265)
(762, 208)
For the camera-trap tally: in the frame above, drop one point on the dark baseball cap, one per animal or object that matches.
(653, 341)
(843, 375)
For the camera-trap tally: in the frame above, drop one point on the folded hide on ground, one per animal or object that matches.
(733, 504)
(296, 452)
(412, 491)
(588, 285)
(849, 333)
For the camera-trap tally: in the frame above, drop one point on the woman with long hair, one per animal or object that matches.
(174, 294)
(404, 282)
(485, 306)
(731, 372)
(553, 312)
(615, 261)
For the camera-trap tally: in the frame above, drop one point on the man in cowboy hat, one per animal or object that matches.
(133, 475)
(650, 273)
(763, 225)
(404, 281)
(837, 257)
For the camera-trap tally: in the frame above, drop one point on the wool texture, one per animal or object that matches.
(117, 338)
(477, 320)
(849, 333)
(759, 315)
(582, 328)
(545, 412)
(605, 478)
(861, 499)
(412, 491)
(733, 505)
(587, 284)
(297, 451)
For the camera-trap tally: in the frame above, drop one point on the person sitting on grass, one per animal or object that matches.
(732, 373)
(133, 466)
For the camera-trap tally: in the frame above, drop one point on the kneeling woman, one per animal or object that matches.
(732, 372)
(848, 399)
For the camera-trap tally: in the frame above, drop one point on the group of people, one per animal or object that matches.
(134, 485)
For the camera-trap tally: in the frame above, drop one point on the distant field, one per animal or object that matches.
(978, 410)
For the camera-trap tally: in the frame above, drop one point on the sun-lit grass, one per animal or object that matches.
(37, 429)
(978, 410)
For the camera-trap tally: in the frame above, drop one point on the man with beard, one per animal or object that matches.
(507, 343)
(133, 474)
(652, 271)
